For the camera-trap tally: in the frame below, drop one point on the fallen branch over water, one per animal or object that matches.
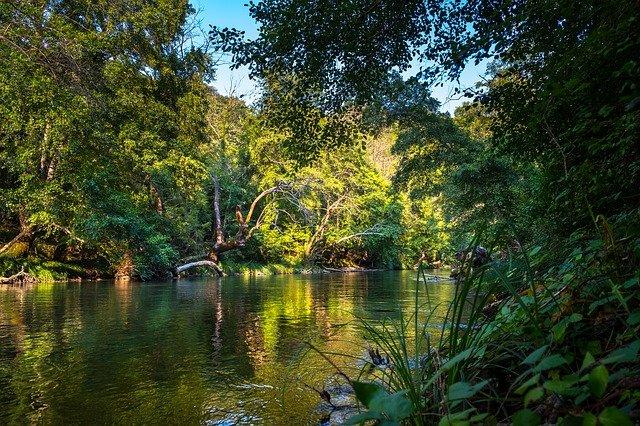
(207, 263)
(21, 277)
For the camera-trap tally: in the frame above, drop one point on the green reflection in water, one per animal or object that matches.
(228, 350)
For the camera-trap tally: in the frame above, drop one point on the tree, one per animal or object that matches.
(101, 120)
(562, 97)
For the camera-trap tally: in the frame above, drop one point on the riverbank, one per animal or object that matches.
(33, 271)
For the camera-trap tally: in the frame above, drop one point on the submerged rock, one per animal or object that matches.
(340, 405)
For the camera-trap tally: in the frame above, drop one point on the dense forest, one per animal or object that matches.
(118, 159)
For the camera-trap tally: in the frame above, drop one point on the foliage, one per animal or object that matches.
(557, 344)
(542, 164)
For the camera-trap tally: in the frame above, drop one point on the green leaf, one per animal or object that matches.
(627, 354)
(533, 395)
(581, 398)
(560, 329)
(373, 396)
(526, 385)
(397, 406)
(589, 420)
(464, 390)
(587, 361)
(535, 355)
(526, 417)
(560, 386)
(600, 302)
(598, 379)
(368, 392)
(534, 250)
(478, 417)
(630, 282)
(456, 418)
(362, 417)
(612, 416)
(549, 362)
(634, 318)
(466, 354)
(570, 420)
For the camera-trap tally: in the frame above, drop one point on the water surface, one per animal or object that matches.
(217, 351)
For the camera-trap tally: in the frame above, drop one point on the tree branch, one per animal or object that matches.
(207, 263)
(359, 234)
(23, 233)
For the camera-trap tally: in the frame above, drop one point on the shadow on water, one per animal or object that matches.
(198, 351)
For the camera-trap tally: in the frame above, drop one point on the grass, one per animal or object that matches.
(545, 335)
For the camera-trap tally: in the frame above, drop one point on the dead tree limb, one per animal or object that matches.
(317, 235)
(207, 263)
(23, 233)
(374, 230)
(20, 277)
(221, 244)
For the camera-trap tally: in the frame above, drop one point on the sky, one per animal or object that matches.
(235, 14)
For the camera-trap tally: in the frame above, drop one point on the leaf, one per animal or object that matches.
(587, 361)
(535, 355)
(373, 396)
(533, 395)
(589, 420)
(455, 418)
(627, 354)
(478, 417)
(630, 282)
(570, 420)
(468, 353)
(612, 416)
(362, 417)
(526, 417)
(464, 390)
(534, 250)
(581, 398)
(560, 329)
(549, 362)
(600, 302)
(634, 318)
(397, 406)
(526, 385)
(598, 379)
(368, 392)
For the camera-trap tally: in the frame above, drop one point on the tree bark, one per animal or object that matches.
(207, 263)
(20, 277)
(25, 231)
(217, 221)
(157, 200)
(221, 244)
(322, 226)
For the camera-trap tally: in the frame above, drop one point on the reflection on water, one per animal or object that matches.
(226, 351)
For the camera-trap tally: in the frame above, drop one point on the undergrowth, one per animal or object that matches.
(545, 335)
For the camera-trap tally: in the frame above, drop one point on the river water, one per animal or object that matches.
(215, 351)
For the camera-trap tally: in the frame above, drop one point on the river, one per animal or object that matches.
(214, 351)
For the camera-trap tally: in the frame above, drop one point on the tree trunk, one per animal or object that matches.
(221, 244)
(157, 200)
(24, 232)
(217, 221)
(322, 226)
